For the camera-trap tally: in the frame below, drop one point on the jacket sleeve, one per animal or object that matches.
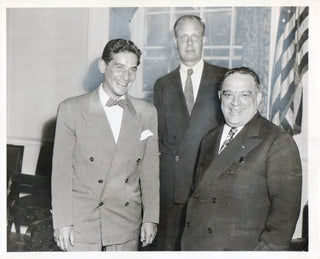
(149, 172)
(62, 169)
(283, 172)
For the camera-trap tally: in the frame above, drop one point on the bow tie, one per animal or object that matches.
(121, 102)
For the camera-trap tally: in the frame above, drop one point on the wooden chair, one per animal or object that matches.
(29, 204)
(14, 160)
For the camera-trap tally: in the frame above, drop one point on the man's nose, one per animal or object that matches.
(235, 100)
(189, 41)
(125, 75)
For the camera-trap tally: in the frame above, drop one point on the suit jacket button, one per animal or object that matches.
(210, 230)
(100, 181)
(214, 200)
(188, 224)
(126, 204)
(91, 159)
(100, 203)
(177, 158)
(196, 196)
(126, 180)
(231, 172)
(138, 160)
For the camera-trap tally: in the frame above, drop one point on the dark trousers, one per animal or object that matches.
(171, 225)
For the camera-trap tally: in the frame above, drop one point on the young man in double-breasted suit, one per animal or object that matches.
(183, 120)
(105, 179)
(247, 185)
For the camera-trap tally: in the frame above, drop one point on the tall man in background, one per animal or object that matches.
(188, 106)
(106, 162)
(247, 186)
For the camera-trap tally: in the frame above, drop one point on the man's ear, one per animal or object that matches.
(175, 41)
(102, 65)
(259, 96)
(204, 39)
(219, 94)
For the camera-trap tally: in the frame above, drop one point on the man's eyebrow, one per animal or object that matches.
(123, 65)
(244, 91)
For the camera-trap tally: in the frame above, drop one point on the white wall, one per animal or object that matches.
(51, 55)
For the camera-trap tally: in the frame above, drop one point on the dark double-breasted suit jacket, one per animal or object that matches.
(179, 133)
(99, 186)
(248, 197)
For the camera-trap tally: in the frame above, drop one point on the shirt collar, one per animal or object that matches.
(104, 97)
(227, 128)
(196, 67)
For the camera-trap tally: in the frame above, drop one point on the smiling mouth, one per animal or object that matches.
(235, 111)
(122, 84)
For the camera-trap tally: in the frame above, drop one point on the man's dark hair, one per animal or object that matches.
(243, 71)
(189, 17)
(120, 45)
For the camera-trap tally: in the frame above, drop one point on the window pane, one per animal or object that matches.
(237, 63)
(216, 52)
(152, 70)
(238, 52)
(156, 53)
(158, 9)
(218, 28)
(190, 9)
(161, 35)
(221, 63)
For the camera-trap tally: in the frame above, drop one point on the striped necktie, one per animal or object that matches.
(228, 139)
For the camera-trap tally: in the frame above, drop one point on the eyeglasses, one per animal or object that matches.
(193, 37)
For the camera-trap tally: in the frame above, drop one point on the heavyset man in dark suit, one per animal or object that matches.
(105, 175)
(183, 118)
(247, 189)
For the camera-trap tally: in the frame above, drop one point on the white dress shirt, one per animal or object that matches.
(225, 132)
(195, 77)
(113, 113)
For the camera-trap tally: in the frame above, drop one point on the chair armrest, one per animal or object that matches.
(39, 236)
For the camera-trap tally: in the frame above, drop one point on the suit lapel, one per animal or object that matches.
(243, 143)
(131, 126)
(196, 118)
(98, 123)
(209, 152)
(178, 95)
(176, 102)
(201, 91)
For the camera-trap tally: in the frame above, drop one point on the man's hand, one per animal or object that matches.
(148, 233)
(64, 237)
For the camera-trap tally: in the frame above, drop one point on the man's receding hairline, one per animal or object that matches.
(257, 87)
(183, 19)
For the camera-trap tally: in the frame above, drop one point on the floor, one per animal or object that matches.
(16, 243)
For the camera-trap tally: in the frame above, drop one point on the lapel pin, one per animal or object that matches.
(243, 147)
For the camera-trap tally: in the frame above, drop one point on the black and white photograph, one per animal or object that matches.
(177, 129)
